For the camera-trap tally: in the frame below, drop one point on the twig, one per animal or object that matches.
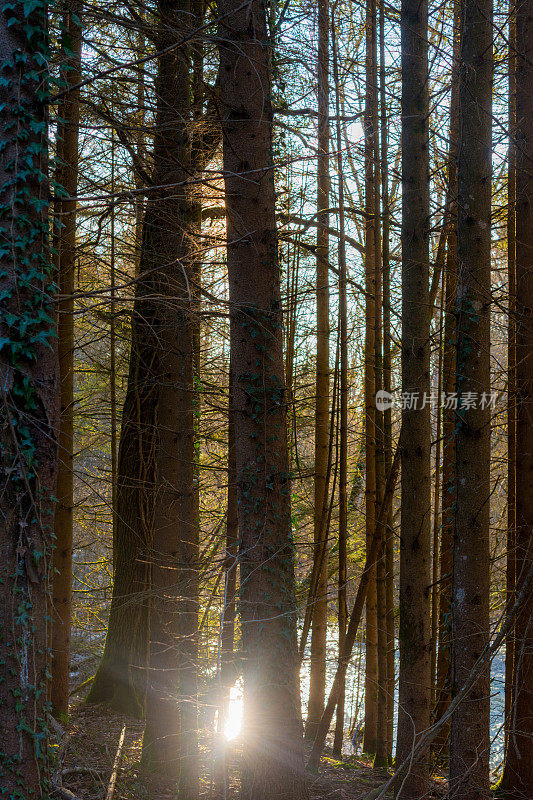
(96, 773)
(65, 794)
(113, 778)
(55, 726)
(61, 752)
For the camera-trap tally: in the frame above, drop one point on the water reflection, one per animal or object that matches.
(354, 705)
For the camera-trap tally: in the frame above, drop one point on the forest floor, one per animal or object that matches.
(90, 747)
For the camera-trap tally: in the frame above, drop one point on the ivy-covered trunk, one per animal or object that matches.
(29, 408)
(273, 750)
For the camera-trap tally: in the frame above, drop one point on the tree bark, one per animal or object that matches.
(343, 406)
(415, 546)
(443, 687)
(317, 677)
(518, 775)
(140, 148)
(113, 356)
(227, 671)
(121, 677)
(170, 737)
(273, 749)
(120, 680)
(470, 740)
(381, 755)
(387, 386)
(511, 367)
(63, 521)
(29, 402)
(435, 550)
(371, 663)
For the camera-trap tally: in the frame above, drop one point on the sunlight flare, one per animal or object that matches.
(233, 724)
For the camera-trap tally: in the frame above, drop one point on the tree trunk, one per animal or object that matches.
(415, 544)
(387, 371)
(511, 369)
(371, 662)
(435, 554)
(290, 343)
(381, 755)
(120, 680)
(113, 356)
(197, 158)
(317, 677)
(443, 687)
(470, 740)
(170, 737)
(518, 776)
(381, 759)
(29, 402)
(121, 677)
(232, 541)
(273, 750)
(227, 671)
(63, 521)
(140, 153)
(343, 410)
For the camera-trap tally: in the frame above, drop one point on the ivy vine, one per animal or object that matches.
(27, 298)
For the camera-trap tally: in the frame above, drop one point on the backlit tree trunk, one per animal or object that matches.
(435, 513)
(353, 624)
(272, 735)
(227, 633)
(121, 677)
(170, 737)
